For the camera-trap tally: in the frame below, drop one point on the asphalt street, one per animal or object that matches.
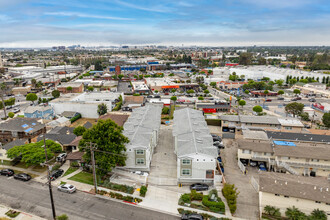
(33, 197)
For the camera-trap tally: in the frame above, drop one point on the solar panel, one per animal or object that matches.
(33, 123)
(28, 130)
(24, 126)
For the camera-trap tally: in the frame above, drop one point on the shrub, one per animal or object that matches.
(11, 114)
(12, 213)
(213, 191)
(196, 196)
(119, 196)
(62, 217)
(56, 166)
(230, 193)
(75, 118)
(74, 164)
(138, 200)
(143, 191)
(180, 210)
(112, 195)
(213, 205)
(128, 198)
(186, 198)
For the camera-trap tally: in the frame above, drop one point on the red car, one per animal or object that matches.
(268, 100)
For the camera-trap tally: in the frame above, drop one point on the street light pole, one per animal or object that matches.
(49, 180)
(92, 147)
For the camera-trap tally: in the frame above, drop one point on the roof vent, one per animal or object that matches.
(286, 183)
(314, 187)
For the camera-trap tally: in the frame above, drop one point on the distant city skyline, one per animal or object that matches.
(42, 23)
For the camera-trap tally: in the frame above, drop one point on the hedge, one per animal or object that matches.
(143, 191)
(119, 187)
(120, 196)
(213, 205)
(230, 193)
(75, 118)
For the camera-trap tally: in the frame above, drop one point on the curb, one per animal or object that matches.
(134, 204)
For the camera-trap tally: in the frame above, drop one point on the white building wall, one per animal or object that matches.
(281, 202)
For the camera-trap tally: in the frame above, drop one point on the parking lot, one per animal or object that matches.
(123, 87)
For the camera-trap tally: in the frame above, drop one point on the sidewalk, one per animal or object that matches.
(21, 216)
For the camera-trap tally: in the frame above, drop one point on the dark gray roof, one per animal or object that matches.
(21, 125)
(298, 136)
(17, 142)
(68, 114)
(63, 135)
(88, 125)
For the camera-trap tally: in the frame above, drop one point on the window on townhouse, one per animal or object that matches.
(186, 162)
(288, 128)
(317, 202)
(186, 172)
(286, 196)
(246, 152)
(277, 194)
(140, 161)
(140, 152)
(315, 160)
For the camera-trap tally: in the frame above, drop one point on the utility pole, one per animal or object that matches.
(48, 178)
(92, 147)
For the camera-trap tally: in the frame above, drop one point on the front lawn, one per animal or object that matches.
(83, 177)
(70, 170)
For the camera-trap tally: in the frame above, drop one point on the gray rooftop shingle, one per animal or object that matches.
(298, 136)
(21, 125)
(193, 135)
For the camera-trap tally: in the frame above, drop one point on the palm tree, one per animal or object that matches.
(3, 88)
(268, 209)
(318, 215)
(34, 82)
(294, 214)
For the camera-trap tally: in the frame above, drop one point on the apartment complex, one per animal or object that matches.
(305, 193)
(295, 157)
(196, 155)
(241, 122)
(142, 130)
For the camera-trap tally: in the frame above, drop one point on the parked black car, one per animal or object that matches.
(56, 174)
(218, 145)
(157, 96)
(22, 176)
(7, 172)
(199, 186)
(312, 100)
(216, 138)
(192, 216)
(280, 98)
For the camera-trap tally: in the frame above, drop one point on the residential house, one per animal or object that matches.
(305, 193)
(140, 87)
(119, 119)
(6, 147)
(20, 128)
(133, 102)
(62, 135)
(60, 122)
(69, 114)
(212, 106)
(196, 155)
(42, 112)
(142, 130)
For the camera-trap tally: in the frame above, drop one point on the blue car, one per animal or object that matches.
(219, 159)
(262, 167)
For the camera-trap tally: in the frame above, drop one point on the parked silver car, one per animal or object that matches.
(67, 188)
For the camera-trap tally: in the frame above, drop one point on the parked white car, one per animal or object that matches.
(253, 99)
(67, 188)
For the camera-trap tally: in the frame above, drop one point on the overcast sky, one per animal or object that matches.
(39, 23)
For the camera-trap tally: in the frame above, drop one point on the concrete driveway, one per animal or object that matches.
(248, 199)
(163, 169)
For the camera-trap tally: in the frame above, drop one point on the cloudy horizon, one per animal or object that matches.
(41, 23)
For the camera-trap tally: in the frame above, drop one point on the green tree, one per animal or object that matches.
(173, 90)
(69, 88)
(120, 76)
(266, 92)
(318, 215)
(56, 93)
(90, 88)
(296, 91)
(34, 153)
(294, 214)
(39, 84)
(11, 114)
(230, 193)
(31, 97)
(79, 130)
(174, 98)
(292, 81)
(304, 116)
(165, 110)
(245, 59)
(206, 91)
(280, 92)
(102, 109)
(213, 84)
(326, 119)
(279, 82)
(294, 108)
(246, 91)
(271, 210)
(200, 98)
(257, 109)
(112, 141)
(34, 82)
(242, 103)
(190, 91)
